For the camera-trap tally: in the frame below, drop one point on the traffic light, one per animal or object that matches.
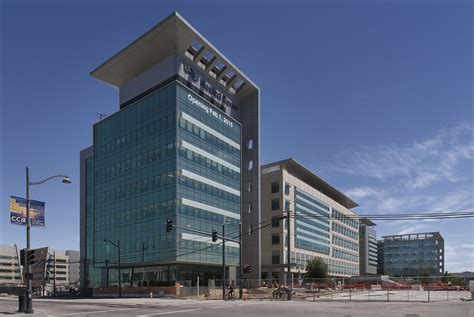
(214, 235)
(247, 268)
(22, 256)
(31, 257)
(169, 225)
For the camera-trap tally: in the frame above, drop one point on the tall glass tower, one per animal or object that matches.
(183, 146)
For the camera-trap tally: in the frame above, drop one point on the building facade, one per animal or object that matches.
(183, 146)
(321, 223)
(73, 265)
(367, 248)
(52, 267)
(380, 260)
(414, 254)
(10, 269)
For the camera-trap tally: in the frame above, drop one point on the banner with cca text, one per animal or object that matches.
(18, 211)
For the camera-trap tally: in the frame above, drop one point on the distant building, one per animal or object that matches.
(322, 223)
(10, 269)
(367, 248)
(414, 254)
(53, 267)
(73, 256)
(380, 245)
(465, 276)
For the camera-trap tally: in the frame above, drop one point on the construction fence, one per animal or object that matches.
(382, 289)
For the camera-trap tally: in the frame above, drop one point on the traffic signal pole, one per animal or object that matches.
(214, 237)
(240, 262)
(288, 241)
(54, 281)
(223, 261)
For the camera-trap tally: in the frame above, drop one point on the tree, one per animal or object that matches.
(316, 268)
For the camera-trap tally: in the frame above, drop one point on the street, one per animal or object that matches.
(164, 307)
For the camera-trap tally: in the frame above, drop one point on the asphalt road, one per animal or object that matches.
(192, 308)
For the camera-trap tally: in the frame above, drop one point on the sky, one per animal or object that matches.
(375, 97)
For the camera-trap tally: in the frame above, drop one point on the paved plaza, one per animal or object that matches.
(192, 308)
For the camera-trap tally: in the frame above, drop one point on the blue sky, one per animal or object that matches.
(373, 96)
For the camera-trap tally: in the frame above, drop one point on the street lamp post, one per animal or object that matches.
(29, 290)
(144, 248)
(117, 245)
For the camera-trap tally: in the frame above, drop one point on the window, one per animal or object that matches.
(287, 189)
(275, 239)
(250, 145)
(287, 205)
(250, 165)
(250, 186)
(250, 207)
(275, 259)
(275, 204)
(275, 222)
(275, 187)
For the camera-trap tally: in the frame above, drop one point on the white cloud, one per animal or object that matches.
(419, 164)
(414, 229)
(428, 176)
(458, 259)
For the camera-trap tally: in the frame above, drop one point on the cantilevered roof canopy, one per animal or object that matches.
(172, 35)
(367, 222)
(302, 173)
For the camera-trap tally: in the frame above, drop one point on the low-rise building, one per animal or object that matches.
(10, 269)
(53, 268)
(414, 254)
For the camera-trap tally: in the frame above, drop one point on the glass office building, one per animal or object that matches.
(413, 254)
(184, 146)
(323, 222)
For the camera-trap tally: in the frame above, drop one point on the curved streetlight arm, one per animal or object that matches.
(47, 179)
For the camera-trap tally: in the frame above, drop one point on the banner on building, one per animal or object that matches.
(18, 211)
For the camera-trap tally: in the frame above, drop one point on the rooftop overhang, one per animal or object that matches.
(302, 173)
(367, 222)
(171, 36)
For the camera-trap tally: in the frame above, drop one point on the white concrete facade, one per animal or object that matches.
(288, 180)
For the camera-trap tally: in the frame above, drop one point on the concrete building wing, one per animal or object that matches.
(301, 172)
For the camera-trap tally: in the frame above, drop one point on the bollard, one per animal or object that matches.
(21, 303)
(388, 295)
(151, 294)
(350, 294)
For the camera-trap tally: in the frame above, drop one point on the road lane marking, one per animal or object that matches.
(97, 311)
(169, 312)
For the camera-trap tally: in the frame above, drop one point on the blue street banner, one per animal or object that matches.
(18, 211)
